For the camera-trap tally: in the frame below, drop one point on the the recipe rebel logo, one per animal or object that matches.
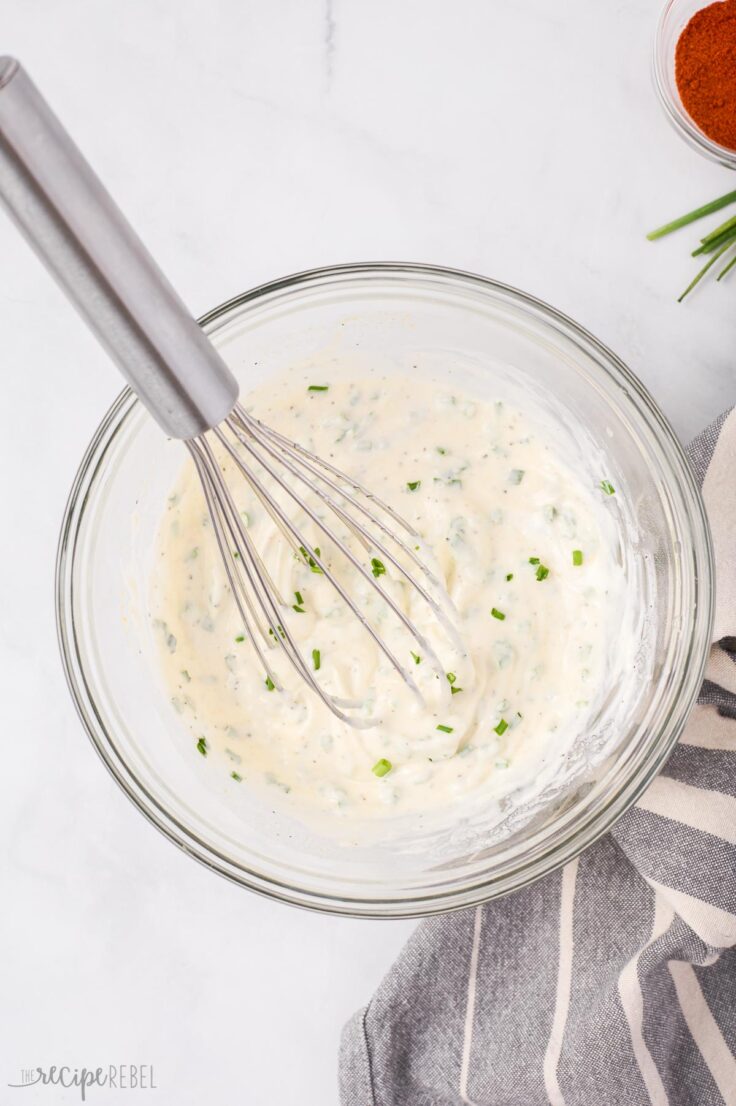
(119, 1077)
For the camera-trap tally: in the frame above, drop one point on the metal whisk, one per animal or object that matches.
(67, 216)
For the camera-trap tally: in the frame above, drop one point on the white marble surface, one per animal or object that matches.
(248, 140)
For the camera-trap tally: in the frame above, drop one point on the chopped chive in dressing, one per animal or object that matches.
(412, 485)
(534, 560)
(309, 559)
(607, 487)
(516, 476)
(446, 729)
(501, 727)
(441, 450)
(577, 557)
(382, 767)
(451, 679)
(542, 572)
(269, 683)
(509, 576)
(299, 598)
(202, 746)
(378, 568)
(416, 657)
(236, 776)
(318, 387)
(498, 614)
(316, 659)
(240, 637)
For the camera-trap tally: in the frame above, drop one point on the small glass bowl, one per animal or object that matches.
(390, 312)
(676, 14)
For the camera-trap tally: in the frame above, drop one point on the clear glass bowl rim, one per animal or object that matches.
(673, 109)
(577, 837)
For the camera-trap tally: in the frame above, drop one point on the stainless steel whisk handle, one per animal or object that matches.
(70, 220)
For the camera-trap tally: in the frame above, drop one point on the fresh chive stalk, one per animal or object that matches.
(692, 216)
(715, 242)
(728, 225)
(699, 276)
(728, 268)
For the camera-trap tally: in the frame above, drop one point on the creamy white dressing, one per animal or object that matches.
(525, 546)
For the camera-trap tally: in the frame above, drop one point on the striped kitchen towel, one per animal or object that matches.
(613, 981)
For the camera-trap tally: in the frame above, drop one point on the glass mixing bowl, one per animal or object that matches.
(675, 16)
(388, 312)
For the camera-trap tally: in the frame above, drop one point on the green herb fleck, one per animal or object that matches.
(377, 567)
(240, 637)
(416, 657)
(202, 747)
(318, 387)
(498, 614)
(441, 449)
(382, 767)
(446, 729)
(412, 485)
(235, 776)
(577, 557)
(316, 659)
(509, 576)
(309, 559)
(186, 675)
(516, 476)
(501, 727)
(299, 599)
(534, 560)
(298, 609)
(269, 683)
(451, 677)
(455, 690)
(607, 487)
(542, 572)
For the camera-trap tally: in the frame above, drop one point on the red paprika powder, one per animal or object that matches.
(705, 71)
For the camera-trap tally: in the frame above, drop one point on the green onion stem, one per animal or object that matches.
(698, 213)
(704, 270)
